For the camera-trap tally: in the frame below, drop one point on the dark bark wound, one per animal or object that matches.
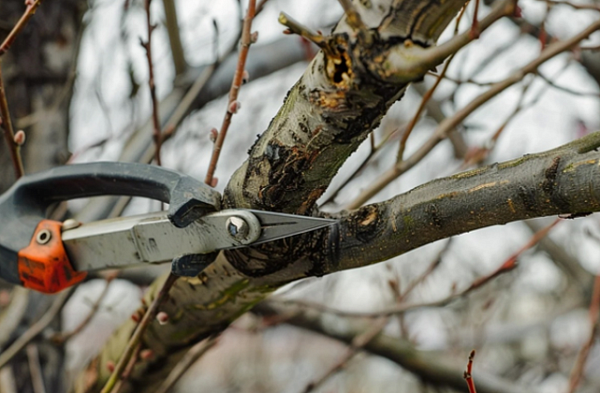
(550, 176)
(367, 224)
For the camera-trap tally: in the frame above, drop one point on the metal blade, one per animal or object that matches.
(277, 226)
(152, 238)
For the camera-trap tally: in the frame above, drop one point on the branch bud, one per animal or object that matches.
(213, 135)
(234, 106)
(20, 138)
(162, 318)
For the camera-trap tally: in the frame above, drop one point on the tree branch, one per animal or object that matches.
(559, 181)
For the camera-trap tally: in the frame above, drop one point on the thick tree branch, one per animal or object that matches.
(559, 181)
(331, 110)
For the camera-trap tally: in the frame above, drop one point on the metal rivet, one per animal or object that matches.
(237, 228)
(70, 224)
(43, 236)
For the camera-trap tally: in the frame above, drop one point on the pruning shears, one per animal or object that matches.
(48, 256)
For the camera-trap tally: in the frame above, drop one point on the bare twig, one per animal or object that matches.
(137, 335)
(566, 89)
(450, 123)
(374, 150)
(9, 134)
(156, 134)
(35, 329)
(430, 269)
(191, 357)
(468, 375)
(8, 384)
(31, 7)
(13, 313)
(128, 369)
(479, 154)
(508, 265)
(475, 33)
(296, 28)
(357, 344)
(426, 97)
(61, 338)
(355, 21)
(233, 104)
(260, 6)
(594, 7)
(174, 37)
(35, 369)
(511, 262)
(594, 312)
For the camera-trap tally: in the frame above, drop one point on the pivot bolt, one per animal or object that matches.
(43, 236)
(237, 228)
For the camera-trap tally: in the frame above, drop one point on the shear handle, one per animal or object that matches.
(23, 207)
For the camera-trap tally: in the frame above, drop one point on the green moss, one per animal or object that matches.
(514, 163)
(467, 174)
(225, 296)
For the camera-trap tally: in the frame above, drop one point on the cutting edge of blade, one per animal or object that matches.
(278, 226)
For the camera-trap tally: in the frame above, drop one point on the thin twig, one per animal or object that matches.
(477, 155)
(468, 375)
(260, 6)
(413, 122)
(61, 338)
(191, 357)
(508, 265)
(594, 312)
(374, 150)
(13, 313)
(451, 122)
(573, 5)
(566, 89)
(156, 133)
(177, 52)
(475, 33)
(355, 21)
(233, 104)
(357, 344)
(427, 96)
(137, 335)
(8, 383)
(430, 269)
(295, 27)
(36, 328)
(9, 134)
(128, 369)
(35, 369)
(27, 14)
(511, 262)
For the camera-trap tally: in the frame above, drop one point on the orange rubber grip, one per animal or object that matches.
(44, 264)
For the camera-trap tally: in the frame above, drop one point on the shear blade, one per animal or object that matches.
(277, 226)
